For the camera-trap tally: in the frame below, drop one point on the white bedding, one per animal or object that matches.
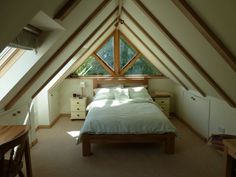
(130, 116)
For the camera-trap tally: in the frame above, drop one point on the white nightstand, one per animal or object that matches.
(163, 100)
(78, 108)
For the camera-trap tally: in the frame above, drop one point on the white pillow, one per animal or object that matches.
(139, 92)
(103, 93)
(121, 94)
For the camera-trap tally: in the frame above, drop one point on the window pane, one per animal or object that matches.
(107, 52)
(126, 52)
(5, 54)
(144, 67)
(90, 67)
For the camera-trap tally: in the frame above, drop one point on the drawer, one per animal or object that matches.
(78, 115)
(164, 104)
(77, 107)
(78, 101)
(161, 101)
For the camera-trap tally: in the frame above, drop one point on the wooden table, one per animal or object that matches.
(230, 157)
(10, 132)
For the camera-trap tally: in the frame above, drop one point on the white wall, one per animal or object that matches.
(47, 106)
(70, 86)
(54, 104)
(221, 115)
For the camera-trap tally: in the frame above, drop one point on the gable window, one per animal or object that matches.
(117, 57)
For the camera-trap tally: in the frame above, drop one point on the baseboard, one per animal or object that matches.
(50, 125)
(65, 115)
(34, 142)
(191, 128)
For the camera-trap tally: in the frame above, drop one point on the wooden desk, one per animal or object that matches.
(10, 132)
(230, 157)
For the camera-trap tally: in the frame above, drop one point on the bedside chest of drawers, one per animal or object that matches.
(78, 108)
(163, 100)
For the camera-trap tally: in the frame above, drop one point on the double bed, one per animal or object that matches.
(125, 115)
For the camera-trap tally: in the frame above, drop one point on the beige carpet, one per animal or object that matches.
(57, 155)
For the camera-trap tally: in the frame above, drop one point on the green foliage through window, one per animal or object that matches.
(126, 52)
(144, 67)
(90, 67)
(107, 52)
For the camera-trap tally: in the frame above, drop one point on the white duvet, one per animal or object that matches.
(131, 116)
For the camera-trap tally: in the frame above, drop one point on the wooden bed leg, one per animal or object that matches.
(86, 148)
(170, 144)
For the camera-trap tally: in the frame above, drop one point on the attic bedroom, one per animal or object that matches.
(118, 88)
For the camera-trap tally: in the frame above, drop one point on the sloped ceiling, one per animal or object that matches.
(180, 51)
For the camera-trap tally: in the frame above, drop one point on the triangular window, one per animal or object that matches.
(117, 56)
(90, 67)
(126, 52)
(143, 67)
(106, 52)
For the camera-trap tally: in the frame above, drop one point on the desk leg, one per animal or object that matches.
(227, 163)
(28, 159)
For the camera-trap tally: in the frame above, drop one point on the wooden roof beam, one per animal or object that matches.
(130, 64)
(205, 30)
(149, 49)
(104, 64)
(66, 9)
(185, 53)
(171, 60)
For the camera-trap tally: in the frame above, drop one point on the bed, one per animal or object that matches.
(125, 115)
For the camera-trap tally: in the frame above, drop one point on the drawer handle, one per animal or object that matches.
(162, 101)
(78, 115)
(77, 108)
(77, 102)
(193, 98)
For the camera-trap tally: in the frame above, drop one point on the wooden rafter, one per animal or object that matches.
(130, 64)
(66, 9)
(171, 60)
(145, 45)
(185, 53)
(62, 48)
(131, 44)
(205, 30)
(57, 71)
(104, 42)
(117, 52)
(104, 64)
(120, 4)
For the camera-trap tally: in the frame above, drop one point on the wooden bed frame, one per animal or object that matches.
(88, 139)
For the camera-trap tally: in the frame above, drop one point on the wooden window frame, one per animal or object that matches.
(10, 60)
(119, 71)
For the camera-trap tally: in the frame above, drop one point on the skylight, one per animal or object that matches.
(6, 54)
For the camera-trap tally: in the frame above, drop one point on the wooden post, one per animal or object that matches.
(170, 144)
(86, 147)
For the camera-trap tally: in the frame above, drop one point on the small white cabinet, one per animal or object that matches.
(164, 104)
(78, 108)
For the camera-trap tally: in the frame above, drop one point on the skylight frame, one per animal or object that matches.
(8, 57)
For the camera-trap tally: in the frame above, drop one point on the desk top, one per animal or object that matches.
(9, 132)
(230, 143)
